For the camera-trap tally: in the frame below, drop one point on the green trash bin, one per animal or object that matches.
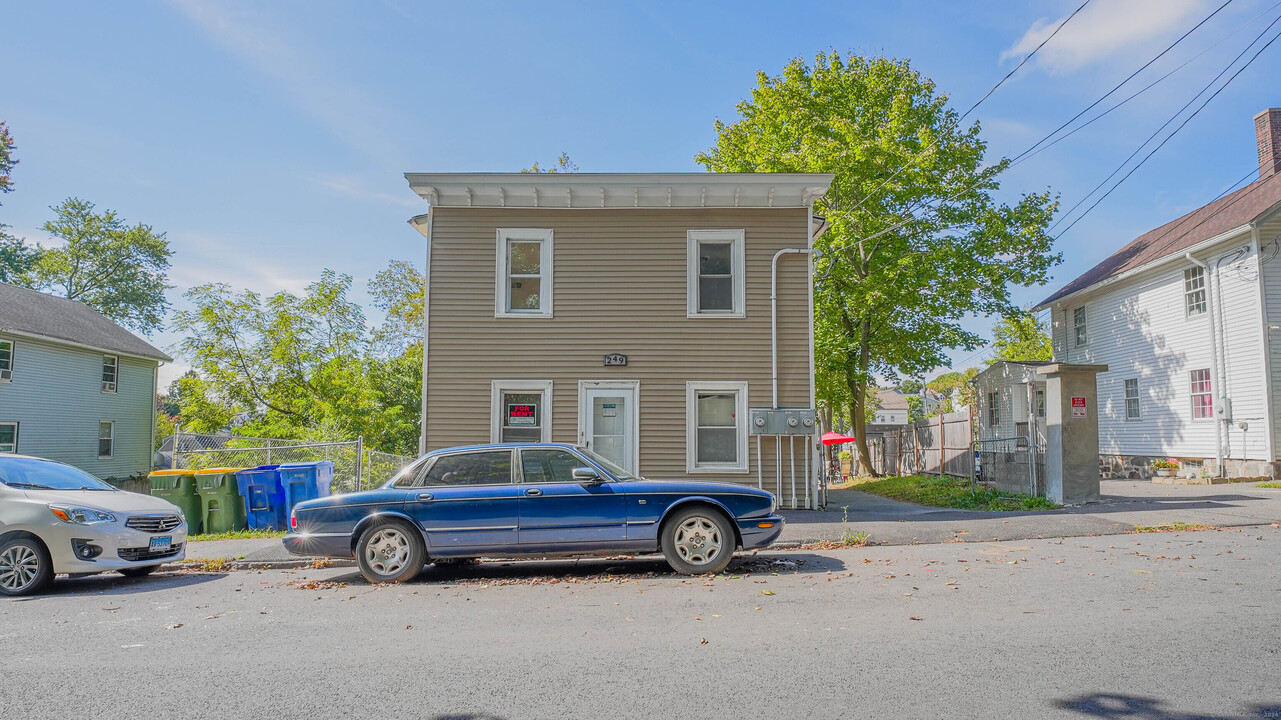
(179, 488)
(221, 508)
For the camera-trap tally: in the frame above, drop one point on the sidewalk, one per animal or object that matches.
(1125, 504)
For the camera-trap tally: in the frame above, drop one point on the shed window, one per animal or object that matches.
(8, 437)
(106, 439)
(994, 409)
(1202, 402)
(1132, 399)
(110, 371)
(1078, 326)
(715, 273)
(1194, 290)
(524, 273)
(716, 426)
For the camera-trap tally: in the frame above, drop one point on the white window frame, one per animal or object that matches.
(6, 370)
(692, 388)
(111, 436)
(498, 387)
(115, 374)
(1190, 294)
(1081, 329)
(502, 289)
(1193, 394)
(1137, 398)
(738, 266)
(17, 429)
(1038, 397)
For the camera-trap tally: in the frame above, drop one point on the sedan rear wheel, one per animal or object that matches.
(390, 552)
(698, 540)
(25, 567)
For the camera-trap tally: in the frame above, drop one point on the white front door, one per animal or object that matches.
(608, 416)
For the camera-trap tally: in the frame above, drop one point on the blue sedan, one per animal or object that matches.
(530, 500)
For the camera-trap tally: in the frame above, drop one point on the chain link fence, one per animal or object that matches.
(355, 467)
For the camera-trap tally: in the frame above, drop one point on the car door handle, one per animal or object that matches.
(533, 491)
(424, 496)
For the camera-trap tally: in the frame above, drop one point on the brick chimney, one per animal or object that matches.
(1267, 130)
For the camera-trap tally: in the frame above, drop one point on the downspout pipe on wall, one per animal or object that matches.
(1214, 357)
(773, 316)
(422, 224)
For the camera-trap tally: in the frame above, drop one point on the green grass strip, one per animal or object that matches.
(951, 492)
(237, 535)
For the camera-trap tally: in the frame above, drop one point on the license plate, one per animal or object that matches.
(160, 544)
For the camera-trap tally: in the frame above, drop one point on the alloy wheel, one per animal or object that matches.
(19, 568)
(387, 551)
(698, 540)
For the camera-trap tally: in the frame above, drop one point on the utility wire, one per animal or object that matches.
(1001, 82)
(1176, 130)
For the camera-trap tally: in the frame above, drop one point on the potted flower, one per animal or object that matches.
(847, 461)
(1165, 468)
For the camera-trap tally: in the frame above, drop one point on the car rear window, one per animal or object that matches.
(477, 468)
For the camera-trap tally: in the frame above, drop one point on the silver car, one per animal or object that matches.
(57, 519)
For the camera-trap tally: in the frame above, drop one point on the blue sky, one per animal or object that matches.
(268, 140)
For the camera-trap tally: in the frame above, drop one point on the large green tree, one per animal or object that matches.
(1021, 336)
(398, 290)
(16, 257)
(117, 269)
(908, 253)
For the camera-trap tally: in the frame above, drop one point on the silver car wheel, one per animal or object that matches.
(387, 551)
(19, 568)
(698, 541)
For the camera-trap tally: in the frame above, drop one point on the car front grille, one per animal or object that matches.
(153, 523)
(142, 553)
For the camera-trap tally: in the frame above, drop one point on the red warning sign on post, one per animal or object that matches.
(1078, 407)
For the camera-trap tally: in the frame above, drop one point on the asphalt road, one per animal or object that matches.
(1173, 626)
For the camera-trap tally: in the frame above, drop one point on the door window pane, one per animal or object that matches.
(522, 417)
(544, 466)
(480, 468)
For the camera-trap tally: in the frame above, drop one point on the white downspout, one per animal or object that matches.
(773, 318)
(422, 434)
(1269, 442)
(1214, 358)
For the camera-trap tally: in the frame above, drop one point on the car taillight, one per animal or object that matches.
(293, 520)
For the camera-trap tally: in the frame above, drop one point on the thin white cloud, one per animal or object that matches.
(355, 188)
(313, 83)
(206, 259)
(1103, 30)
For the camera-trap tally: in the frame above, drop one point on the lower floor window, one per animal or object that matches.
(106, 439)
(8, 437)
(1202, 402)
(716, 426)
(521, 411)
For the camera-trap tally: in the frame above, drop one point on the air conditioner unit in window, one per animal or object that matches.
(108, 386)
(6, 375)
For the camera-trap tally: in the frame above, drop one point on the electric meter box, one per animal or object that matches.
(784, 421)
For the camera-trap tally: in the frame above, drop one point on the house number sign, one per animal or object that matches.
(615, 359)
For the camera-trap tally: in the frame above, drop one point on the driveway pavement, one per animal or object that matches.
(1125, 504)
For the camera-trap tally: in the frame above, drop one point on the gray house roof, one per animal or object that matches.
(35, 314)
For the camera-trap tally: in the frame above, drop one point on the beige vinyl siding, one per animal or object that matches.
(1139, 329)
(56, 396)
(619, 279)
(1270, 249)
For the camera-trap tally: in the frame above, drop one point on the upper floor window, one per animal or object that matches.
(8, 437)
(524, 273)
(1194, 290)
(110, 372)
(1078, 326)
(716, 268)
(6, 360)
(1132, 399)
(994, 408)
(1202, 402)
(106, 439)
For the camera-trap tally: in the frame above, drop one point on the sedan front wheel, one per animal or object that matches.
(25, 567)
(390, 552)
(698, 540)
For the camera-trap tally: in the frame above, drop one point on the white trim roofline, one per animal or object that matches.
(1151, 265)
(71, 343)
(620, 190)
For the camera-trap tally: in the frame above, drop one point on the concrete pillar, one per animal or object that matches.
(1072, 432)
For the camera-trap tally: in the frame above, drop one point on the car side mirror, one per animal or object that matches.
(587, 475)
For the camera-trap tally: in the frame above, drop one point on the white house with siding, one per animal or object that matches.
(1187, 317)
(74, 386)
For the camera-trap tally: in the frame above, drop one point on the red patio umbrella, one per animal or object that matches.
(834, 438)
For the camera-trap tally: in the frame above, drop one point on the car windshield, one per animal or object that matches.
(609, 466)
(34, 474)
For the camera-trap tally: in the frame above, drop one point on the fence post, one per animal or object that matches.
(268, 451)
(177, 435)
(360, 457)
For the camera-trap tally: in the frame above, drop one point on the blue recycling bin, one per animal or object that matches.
(305, 481)
(264, 497)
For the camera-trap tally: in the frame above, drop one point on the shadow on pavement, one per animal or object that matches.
(1127, 706)
(114, 584)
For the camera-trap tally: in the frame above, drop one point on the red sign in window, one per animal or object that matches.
(522, 415)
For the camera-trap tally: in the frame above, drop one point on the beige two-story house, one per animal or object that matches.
(656, 318)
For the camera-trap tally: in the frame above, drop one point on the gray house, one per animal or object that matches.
(74, 386)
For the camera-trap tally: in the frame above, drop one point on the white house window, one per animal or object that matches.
(106, 439)
(1132, 399)
(6, 361)
(1040, 403)
(716, 269)
(1194, 290)
(520, 411)
(1078, 325)
(716, 426)
(524, 273)
(994, 409)
(110, 371)
(8, 437)
(1202, 402)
